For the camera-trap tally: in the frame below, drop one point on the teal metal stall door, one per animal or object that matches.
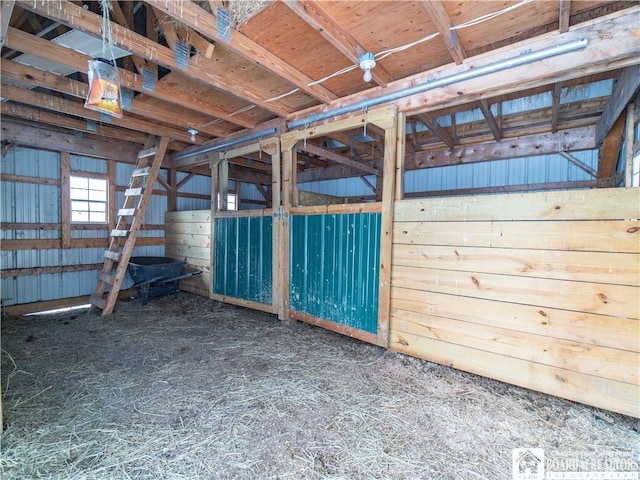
(334, 268)
(243, 254)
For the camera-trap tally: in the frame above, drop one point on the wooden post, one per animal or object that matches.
(400, 154)
(287, 145)
(172, 199)
(213, 164)
(65, 200)
(629, 138)
(111, 194)
(223, 170)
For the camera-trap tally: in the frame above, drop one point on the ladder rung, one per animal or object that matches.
(126, 212)
(115, 256)
(147, 153)
(140, 172)
(103, 277)
(98, 301)
(133, 192)
(119, 233)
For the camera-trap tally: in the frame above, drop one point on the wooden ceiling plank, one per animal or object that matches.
(203, 72)
(564, 15)
(329, 155)
(312, 12)
(579, 164)
(40, 78)
(30, 136)
(23, 112)
(440, 18)
(31, 44)
(49, 102)
(624, 90)
(120, 17)
(432, 124)
(485, 108)
(6, 9)
(205, 23)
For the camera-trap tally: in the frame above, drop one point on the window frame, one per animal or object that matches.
(89, 178)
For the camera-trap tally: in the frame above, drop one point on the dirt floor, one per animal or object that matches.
(188, 388)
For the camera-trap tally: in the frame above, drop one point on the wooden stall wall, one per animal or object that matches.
(538, 290)
(188, 237)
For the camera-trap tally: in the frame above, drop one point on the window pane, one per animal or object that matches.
(97, 207)
(79, 206)
(79, 182)
(98, 184)
(97, 195)
(79, 217)
(98, 217)
(78, 194)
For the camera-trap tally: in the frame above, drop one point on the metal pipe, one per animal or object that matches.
(499, 66)
(228, 144)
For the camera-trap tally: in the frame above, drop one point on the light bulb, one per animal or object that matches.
(367, 75)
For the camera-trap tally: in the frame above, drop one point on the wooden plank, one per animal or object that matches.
(188, 216)
(601, 236)
(6, 9)
(187, 239)
(334, 157)
(630, 150)
(189, 228)
(601, 204)
(598, 267)
(401, 141)
(610, 152)
(623, 91)
(189, 251)
(490, 119)
(548, 143)
(339, 328)
(580, 327)
(7, 177)
(564, 15)
(62, 142)
(31, 44)
(205, 23)
(192, 263)
(19, 272)
(244, 303)
(605, 362)
(603, 393)
(374, 207)
(600, 298)
(313, 13)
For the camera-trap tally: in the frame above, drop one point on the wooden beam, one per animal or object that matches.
(579, 164)
(564, 15)
(314, 14)
(440, 18)
(20, 272)
(41, 78)
(49, 102)
(263, 191)
(432, 124)
(624, 90)
(6, 9)
(335, 157)
(490, 119)
(205, 23)
(629, 139)
(62, 142)
(610, 151)
(23, 42)
(120, 17)
(555, 106)
(201, 44)
(565, 140)
(65, 200)
(532, 187)
(203, 72)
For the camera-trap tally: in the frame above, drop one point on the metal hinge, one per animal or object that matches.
(280, 213)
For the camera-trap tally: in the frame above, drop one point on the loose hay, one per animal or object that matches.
(187, 388)
(240, 11)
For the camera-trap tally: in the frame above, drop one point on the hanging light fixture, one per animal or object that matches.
(367, 62)
(193, 132)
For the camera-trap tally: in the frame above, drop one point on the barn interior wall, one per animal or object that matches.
(35, 267)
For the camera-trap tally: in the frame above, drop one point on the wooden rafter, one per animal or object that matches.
(120, 17)
(205, 23)
(6, 9)
(564, 15)
(490, 119)
(26, 43)
(203, 72)
(438, 14)
(432, 124)
(313, 13)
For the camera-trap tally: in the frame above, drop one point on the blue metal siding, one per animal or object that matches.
(243, 254)
(334, 268)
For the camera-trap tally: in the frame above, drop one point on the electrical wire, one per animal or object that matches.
(490, 16)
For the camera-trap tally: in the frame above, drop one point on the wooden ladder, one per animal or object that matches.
(130, 219)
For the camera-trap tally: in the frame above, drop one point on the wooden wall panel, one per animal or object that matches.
(188, 237)
(539, 290)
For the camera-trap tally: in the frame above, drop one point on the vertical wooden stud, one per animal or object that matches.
(65, 199)
(172, 200)
(111, 194)
(213, 164)
(224, 184)
(400, 155)
(629, 138)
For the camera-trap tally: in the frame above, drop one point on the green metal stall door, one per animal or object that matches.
(242, 262)
(334, 268)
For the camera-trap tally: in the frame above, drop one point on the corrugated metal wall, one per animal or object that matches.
(199, 184)
(242, 265)
(334, 268)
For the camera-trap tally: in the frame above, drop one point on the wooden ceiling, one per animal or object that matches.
(282, 62)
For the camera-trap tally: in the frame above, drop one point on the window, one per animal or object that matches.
(88, 200)
(231, 201)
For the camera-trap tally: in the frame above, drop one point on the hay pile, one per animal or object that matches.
(186, 388)
(240, 11)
